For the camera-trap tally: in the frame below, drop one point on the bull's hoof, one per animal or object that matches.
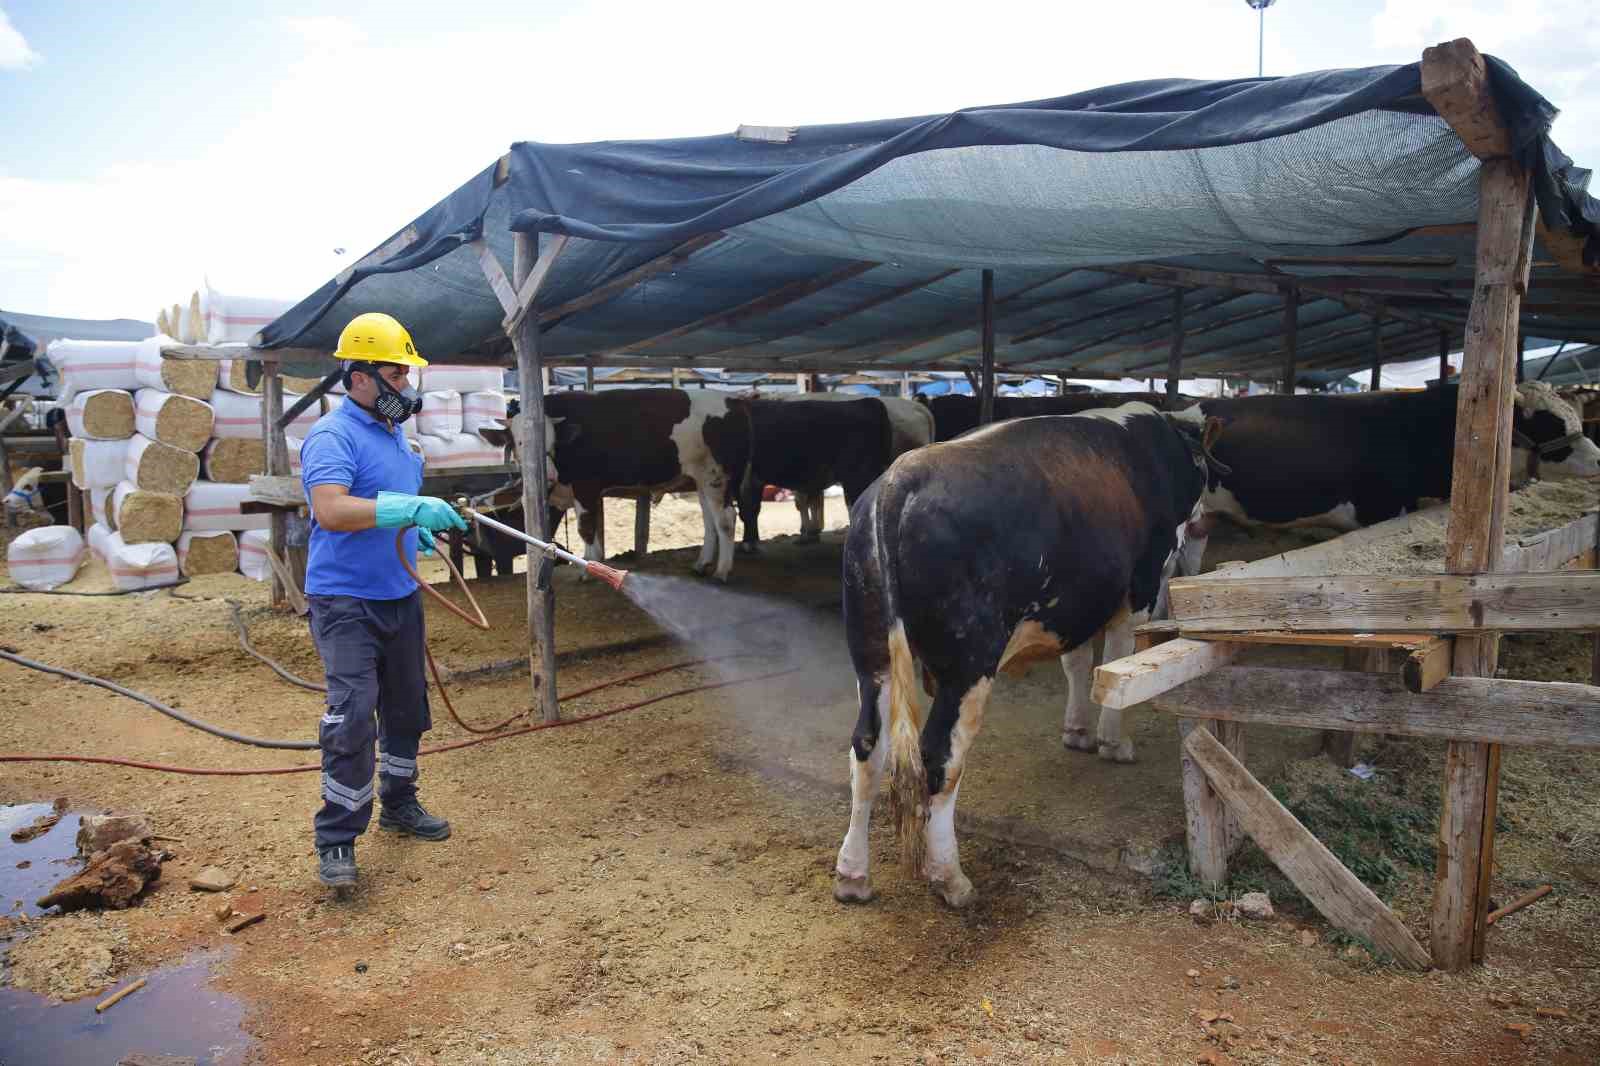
(744, 548)
(1122, 753)
(853, 889)
(957, 891)
(1078, 740)
(701, 568)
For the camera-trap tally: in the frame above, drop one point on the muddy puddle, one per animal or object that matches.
(177, 1012)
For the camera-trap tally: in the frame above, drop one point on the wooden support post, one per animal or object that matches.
(986, 392)
(1522, 351)
(75, 507)
(1336, 892)
(1444, 356)
(1291, 338)
(641, 526)
(1455, 81)
(1175, 353)
(1339, 745)
(277, 443)
(1377, 353)
(530, 383)
(588, 379)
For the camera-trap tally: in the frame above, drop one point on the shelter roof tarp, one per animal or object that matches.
(862, 239)
(42, 329)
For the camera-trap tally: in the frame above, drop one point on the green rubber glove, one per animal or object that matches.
(425, 541)
(397, 509)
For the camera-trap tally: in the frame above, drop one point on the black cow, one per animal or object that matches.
(1349, 461)
(1017, 542)
(809, 446)
(955, 415)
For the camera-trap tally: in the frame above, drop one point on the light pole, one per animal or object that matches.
(1261, 30)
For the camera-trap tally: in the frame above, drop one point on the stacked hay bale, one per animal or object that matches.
(457, 401)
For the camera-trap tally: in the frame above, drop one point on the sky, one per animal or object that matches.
(153, 148)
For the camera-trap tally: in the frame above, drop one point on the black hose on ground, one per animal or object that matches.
(244, 642)
(170, 712)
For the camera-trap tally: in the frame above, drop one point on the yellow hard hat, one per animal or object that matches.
(375, 337)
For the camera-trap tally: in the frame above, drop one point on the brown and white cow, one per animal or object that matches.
(911, 426)
(957, 414)
(1019, 541)
(644, 440)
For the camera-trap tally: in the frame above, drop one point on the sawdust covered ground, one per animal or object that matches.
(655, 887)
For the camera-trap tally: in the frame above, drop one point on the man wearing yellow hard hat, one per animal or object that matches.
(366, 612)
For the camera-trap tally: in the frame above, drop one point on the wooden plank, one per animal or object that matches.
(782, 296)
(276, 489)
(638, 275)
(986, 361)
(1056, 326)
(541, 596)
(1406, 642)
(1552, 549)
(641, 525)
(495, 274)
(1384, 262)
(278, 465)
(528, 288)
(233, 351)
(1144, 675)
(1377, 354)
(1428, 665)
(1205, 817)
(742, 350)
(1336, 892)
(1455, 81)
(1485, 710)
(1447, 603)
(1150, 634)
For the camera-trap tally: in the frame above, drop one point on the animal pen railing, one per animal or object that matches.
(1447, 624)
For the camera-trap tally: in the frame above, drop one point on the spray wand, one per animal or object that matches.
(610, 576)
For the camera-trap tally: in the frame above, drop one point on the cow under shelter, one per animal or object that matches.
(1268, 227)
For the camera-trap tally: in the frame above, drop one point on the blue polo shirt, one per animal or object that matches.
(351, 447)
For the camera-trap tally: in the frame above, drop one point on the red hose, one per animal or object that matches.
(201, 771)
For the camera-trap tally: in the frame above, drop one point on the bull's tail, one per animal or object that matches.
(909, 795)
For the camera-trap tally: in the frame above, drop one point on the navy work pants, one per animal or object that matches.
(372, 653)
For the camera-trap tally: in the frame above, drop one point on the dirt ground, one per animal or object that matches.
(655, 887)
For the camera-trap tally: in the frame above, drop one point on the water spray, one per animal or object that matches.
(610, 576)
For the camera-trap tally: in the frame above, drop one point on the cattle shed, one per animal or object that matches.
(1329, 221)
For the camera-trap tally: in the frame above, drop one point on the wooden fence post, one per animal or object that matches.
(986, 382)
(530, 383)
(277, 444)
(1291, 338)
(1175, 353)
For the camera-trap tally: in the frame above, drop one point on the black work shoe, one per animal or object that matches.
(336, 866)
(411, 819)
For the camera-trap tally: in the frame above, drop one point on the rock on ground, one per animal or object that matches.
(98, 832)
(71, 956)
(213, 879)
(1254, 905)
(113, 878)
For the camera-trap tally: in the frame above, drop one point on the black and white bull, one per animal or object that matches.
(1017, 542)
(911, 425)
(644, 440)
(809, 446)
(1349, 461)
(956, 415)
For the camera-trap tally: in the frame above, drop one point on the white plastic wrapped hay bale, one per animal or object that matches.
(212, 505)
(100, 414)
(234, 459)
(100, 506)
(94, 365)
(144, 517)
(207, 553)
(442, 378)
(196, 378)
(482, 410)
(253, 554)
(294, 445)
(99, 535)
(440, 415)
(463, 449)
(158, 467)
(228, 317)
(45, 558)
(181, 421)
(97, 464)
(139, 566)
(239, 415)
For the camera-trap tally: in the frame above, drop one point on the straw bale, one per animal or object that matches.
(233, 377)
(100, 508)
(181, 421)
(300, 386)
(189, 377)
(158, 467)
(147, 517)
(234, 459)
(97, 464)
(102, 414)
(208, 553)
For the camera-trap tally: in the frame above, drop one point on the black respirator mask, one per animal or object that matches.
(396, 405)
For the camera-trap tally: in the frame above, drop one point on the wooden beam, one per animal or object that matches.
(782, 296)
(277, 443)
(260, 355)
(541, 595)
(1560, 714)
(1210, 831)
(1291, 339)
(1401, 642)
(1336, 892)
(637, 276)
(1377, 353)
(528, 288)
(641, 525)
(495, 274)
(1428, 665)
(1455, 80)
(1175, 353)
(1144, 675)
(1230, 349)
(1035, 332)
(1385, 262)
(986, 365)
(1447, 603)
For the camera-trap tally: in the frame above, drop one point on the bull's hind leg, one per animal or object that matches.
(868, 754)
(1078, 665)
(946, 740)
(1114, 745)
